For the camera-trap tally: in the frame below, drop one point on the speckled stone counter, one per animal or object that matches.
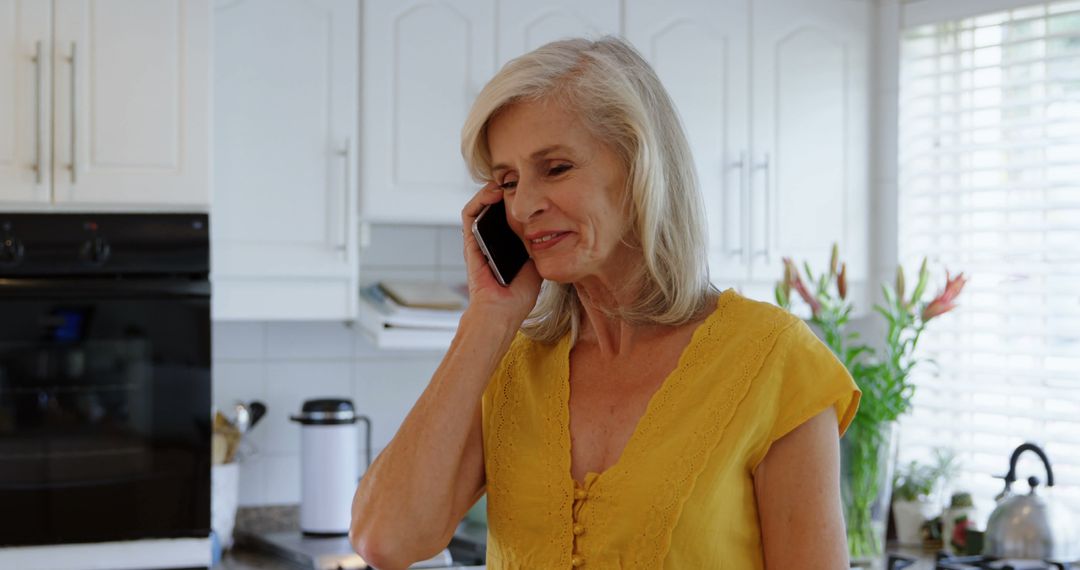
(262, 520)
(257, 520)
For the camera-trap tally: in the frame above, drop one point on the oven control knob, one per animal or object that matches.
(11, 251)
(95, 251)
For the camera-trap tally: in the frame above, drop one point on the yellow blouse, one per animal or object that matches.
(681, 495)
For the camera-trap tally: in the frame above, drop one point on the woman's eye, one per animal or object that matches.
(557, 170)
(508, 185)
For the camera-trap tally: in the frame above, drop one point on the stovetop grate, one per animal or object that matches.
(948, 562)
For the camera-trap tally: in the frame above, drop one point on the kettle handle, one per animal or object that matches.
(1011, 476)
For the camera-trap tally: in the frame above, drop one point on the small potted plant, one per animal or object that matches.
(913, 489)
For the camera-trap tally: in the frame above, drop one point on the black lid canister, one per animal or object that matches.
(326, 411)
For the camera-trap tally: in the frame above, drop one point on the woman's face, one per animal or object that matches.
(563, 190)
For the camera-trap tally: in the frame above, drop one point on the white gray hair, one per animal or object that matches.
(620, 100)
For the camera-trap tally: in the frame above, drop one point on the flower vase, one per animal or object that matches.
(867, 459)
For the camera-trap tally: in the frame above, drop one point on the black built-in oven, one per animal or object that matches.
(104, 377)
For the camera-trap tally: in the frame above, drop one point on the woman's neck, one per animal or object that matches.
(601, 324)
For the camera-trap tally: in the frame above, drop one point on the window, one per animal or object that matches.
(989, 184)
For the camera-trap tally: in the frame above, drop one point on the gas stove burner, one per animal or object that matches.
(946, 562)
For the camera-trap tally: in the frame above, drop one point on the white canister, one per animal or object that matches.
(224, 484)
(329, 464)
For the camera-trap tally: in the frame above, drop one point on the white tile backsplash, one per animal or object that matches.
(282, 474)
(303, 341)
(310, 361)
(401, 246)
(238, 340)
(451, 247)
(252, 488)
(453, 275)
(385, 391)
(285, 363)
(288, 384)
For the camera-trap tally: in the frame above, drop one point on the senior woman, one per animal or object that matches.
(618, 411)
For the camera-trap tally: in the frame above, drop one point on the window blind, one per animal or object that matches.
(989, 184)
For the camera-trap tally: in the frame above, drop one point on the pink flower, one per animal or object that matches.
(841, 281)
(800, 288)
(946, 300)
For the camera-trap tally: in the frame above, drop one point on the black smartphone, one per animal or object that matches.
(501, 246)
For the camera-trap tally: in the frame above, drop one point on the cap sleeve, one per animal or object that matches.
(801, 379)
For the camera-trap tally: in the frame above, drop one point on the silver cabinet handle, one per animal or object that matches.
(39, 166)
(346, 153)
(74, 116)
(765, 166)
(742, 166)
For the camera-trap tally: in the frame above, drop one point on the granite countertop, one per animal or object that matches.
(243, 558)
(274, 519)
(255, 520)
(925, 558)
(260, 520)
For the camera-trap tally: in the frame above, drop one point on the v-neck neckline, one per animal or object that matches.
(591, 477)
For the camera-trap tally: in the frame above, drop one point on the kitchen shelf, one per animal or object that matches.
(388, 336)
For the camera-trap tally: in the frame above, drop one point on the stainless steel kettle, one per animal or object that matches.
(1026, 526)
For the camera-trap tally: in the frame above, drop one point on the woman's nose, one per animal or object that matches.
(528, 201)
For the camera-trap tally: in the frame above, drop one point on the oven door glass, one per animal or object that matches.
(104, 415)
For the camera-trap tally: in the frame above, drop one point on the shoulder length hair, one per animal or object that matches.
(620, 100)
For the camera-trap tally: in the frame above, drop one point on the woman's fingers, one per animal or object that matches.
(489, 194)
(476, 264)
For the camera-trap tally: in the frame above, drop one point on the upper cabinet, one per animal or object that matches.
(773, 96)
(700, 51)
(25, 110)
(286, 131)
(111, 106)
(424, 63)
(811, 84)
(526, 25)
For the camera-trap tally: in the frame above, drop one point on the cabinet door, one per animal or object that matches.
(525, 25)
(25, 109)
(699, 50)
(424, 63)
(132, 101)
(810, 133)
(286, 83)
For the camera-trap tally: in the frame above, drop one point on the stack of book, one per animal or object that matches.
(411, 314)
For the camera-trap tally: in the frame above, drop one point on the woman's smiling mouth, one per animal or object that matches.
(545, 240)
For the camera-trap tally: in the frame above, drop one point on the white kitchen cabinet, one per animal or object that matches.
(525, 25)
(25, 111)
(286, 98)
(773, 95)
(123, 87)
(810, 137)
(424, 63)
(700, 51)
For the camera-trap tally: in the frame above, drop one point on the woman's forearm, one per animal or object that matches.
(428, 476)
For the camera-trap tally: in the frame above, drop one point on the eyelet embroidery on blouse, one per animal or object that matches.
(564, 511)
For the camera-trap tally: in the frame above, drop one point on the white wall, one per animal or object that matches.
(284, 363)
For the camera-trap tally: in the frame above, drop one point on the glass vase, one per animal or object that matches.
(867, 459)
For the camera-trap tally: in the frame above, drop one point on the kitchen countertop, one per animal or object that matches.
(261, 520)
(925, 558)
(242, 558)
(271, 519)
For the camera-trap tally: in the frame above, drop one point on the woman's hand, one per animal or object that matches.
(486, 296)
